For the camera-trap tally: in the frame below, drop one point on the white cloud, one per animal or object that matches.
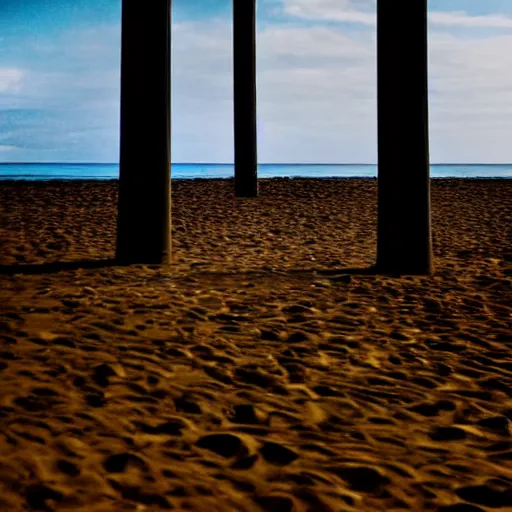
(364, 12)
(349, 11)
(10, 79)
(317, 94)
(316, 91)
(5, 149)
(463, 19)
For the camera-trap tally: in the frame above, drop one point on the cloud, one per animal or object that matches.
(348, 11)
(364, 12)
(463, 19)
(316, 92)
(65, 103)
(10, 79)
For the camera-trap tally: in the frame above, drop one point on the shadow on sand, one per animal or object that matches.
(58, 266)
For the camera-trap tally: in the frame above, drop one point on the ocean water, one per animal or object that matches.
(53, 171)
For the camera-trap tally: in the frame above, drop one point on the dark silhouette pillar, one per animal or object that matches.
(143, 230)
(244, 81)
(404, 243)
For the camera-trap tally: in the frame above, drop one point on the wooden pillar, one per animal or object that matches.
(244, 78)
(144, 220)
(404, 243)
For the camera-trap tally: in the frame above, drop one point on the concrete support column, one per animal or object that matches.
(144, 219)
(404, 243)
(244, 78)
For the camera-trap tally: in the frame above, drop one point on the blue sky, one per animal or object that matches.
(59, 81)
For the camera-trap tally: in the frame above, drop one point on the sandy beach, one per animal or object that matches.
(265, 369)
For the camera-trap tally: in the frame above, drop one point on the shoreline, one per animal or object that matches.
(371, 178)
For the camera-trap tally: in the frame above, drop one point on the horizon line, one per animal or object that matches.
(259, 163)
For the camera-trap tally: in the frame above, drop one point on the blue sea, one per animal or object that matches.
(64, 171)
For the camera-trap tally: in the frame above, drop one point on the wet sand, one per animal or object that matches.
(257, 373)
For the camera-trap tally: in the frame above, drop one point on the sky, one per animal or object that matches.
(316, 78)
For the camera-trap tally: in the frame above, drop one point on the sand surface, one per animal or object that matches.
(256, 373)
